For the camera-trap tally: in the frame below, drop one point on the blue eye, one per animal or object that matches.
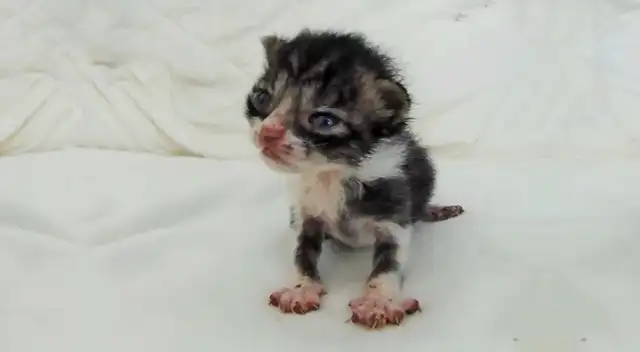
(323, 120)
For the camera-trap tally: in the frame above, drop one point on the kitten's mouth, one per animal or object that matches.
(276, 155)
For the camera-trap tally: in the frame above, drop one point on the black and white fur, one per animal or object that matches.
(336, 115)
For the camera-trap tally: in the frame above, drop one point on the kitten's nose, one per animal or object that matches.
(271, 134)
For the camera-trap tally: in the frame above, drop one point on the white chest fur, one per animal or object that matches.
(320, 194)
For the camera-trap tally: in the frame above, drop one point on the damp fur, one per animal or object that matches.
(331, 112)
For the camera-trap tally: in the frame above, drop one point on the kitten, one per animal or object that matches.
(331, 112)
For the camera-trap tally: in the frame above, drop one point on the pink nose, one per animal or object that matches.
(270, 135)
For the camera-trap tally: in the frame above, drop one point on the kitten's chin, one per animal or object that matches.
(280, 165)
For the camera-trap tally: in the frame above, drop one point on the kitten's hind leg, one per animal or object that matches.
(435, 213)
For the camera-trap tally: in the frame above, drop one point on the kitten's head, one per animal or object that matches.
(324, 99)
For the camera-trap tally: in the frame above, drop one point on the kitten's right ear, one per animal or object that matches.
(395, 97)
(271, 44)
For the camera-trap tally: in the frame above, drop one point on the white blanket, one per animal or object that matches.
(111, 251)
(531, 107)
(169, 76)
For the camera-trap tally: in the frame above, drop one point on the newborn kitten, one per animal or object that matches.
(330, 111)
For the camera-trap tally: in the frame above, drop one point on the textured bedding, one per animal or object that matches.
(530, 106)
(169, 76)
(113, 251)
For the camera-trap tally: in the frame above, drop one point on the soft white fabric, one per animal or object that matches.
(113, 251)
(541, 77)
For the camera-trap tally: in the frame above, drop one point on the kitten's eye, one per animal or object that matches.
(261, 98)
(323, 120)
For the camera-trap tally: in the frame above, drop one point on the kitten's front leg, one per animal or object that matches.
(382, 302)
(304, 294)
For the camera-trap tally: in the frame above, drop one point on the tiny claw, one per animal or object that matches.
(396, 318)
(378, 322)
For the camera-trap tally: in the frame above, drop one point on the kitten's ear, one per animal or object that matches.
(271, 44)
(395, 97)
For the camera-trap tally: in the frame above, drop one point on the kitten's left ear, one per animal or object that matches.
(395, 97)
(271, 44)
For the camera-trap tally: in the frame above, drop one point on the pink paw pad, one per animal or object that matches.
(377, 311)
(300, 299)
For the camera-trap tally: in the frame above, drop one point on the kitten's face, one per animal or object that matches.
(323, 101)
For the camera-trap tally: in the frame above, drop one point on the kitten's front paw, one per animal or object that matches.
(300, 299)
(375, 310)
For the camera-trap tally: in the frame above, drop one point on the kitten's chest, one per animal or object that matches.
(321, 194)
